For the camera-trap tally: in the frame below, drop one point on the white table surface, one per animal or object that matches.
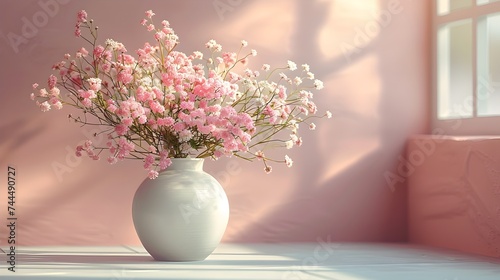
(341, 261)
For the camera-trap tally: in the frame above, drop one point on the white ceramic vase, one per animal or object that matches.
(181, 215)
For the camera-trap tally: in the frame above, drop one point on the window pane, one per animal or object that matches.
(446, 6)
(454, 70)
(484, 2)
(488, 66)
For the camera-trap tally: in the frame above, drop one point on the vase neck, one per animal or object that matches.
(195, 164)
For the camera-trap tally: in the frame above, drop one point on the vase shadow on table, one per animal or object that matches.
(140, 259)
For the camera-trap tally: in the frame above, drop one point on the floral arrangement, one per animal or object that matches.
(164, 104)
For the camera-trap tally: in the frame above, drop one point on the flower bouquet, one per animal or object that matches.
(162, 103)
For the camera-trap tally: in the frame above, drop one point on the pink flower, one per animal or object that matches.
(142, 94)
(288, 161)
(184, 117)
(165, 163)
(187, 105)
(54, 92)
(218, 154)
(160, 95)
(149, 161)
(151, 27)
(95, 84)
(55, 103)
(83, 52)
(149, 14)
(206, 129)
(159, 35)
(230, 144)
(124, 148)
(121, 129)
(125, 76)
(78, 32)
(156, 107)
(35, 85)
(52, 81)
(98, 51)
(298, 142)
(229, 58)
(126, 58)
(127, 121)
(185, 135)
(312, 107)
(44, 106)
(179, 126)
(142, 119)
(112, 160)
(82, 16)
(168, 121)
(112, 108)
(153, 174)
(152, 124)
(144, 21)
(87, 144)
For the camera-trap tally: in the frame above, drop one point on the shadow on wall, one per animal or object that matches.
(355, 203)
(336, 188)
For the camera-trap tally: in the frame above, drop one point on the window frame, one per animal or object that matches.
(475, 125)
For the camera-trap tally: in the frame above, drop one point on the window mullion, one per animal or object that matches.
(474, 66)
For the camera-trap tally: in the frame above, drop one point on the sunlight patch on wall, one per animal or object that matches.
(356, 120)
(272, 26)
(346, 25)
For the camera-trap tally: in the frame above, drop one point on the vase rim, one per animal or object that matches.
(185, 164)
(181, 159)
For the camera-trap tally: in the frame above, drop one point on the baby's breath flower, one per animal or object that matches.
(318, 84)
(288, 161)
(297, 81)
(291, 65)
(198, 55)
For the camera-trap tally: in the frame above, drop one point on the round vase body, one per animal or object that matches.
(181, 215)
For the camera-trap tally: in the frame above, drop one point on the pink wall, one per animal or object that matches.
(376, 84)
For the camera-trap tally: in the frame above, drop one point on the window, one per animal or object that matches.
(467, 66)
